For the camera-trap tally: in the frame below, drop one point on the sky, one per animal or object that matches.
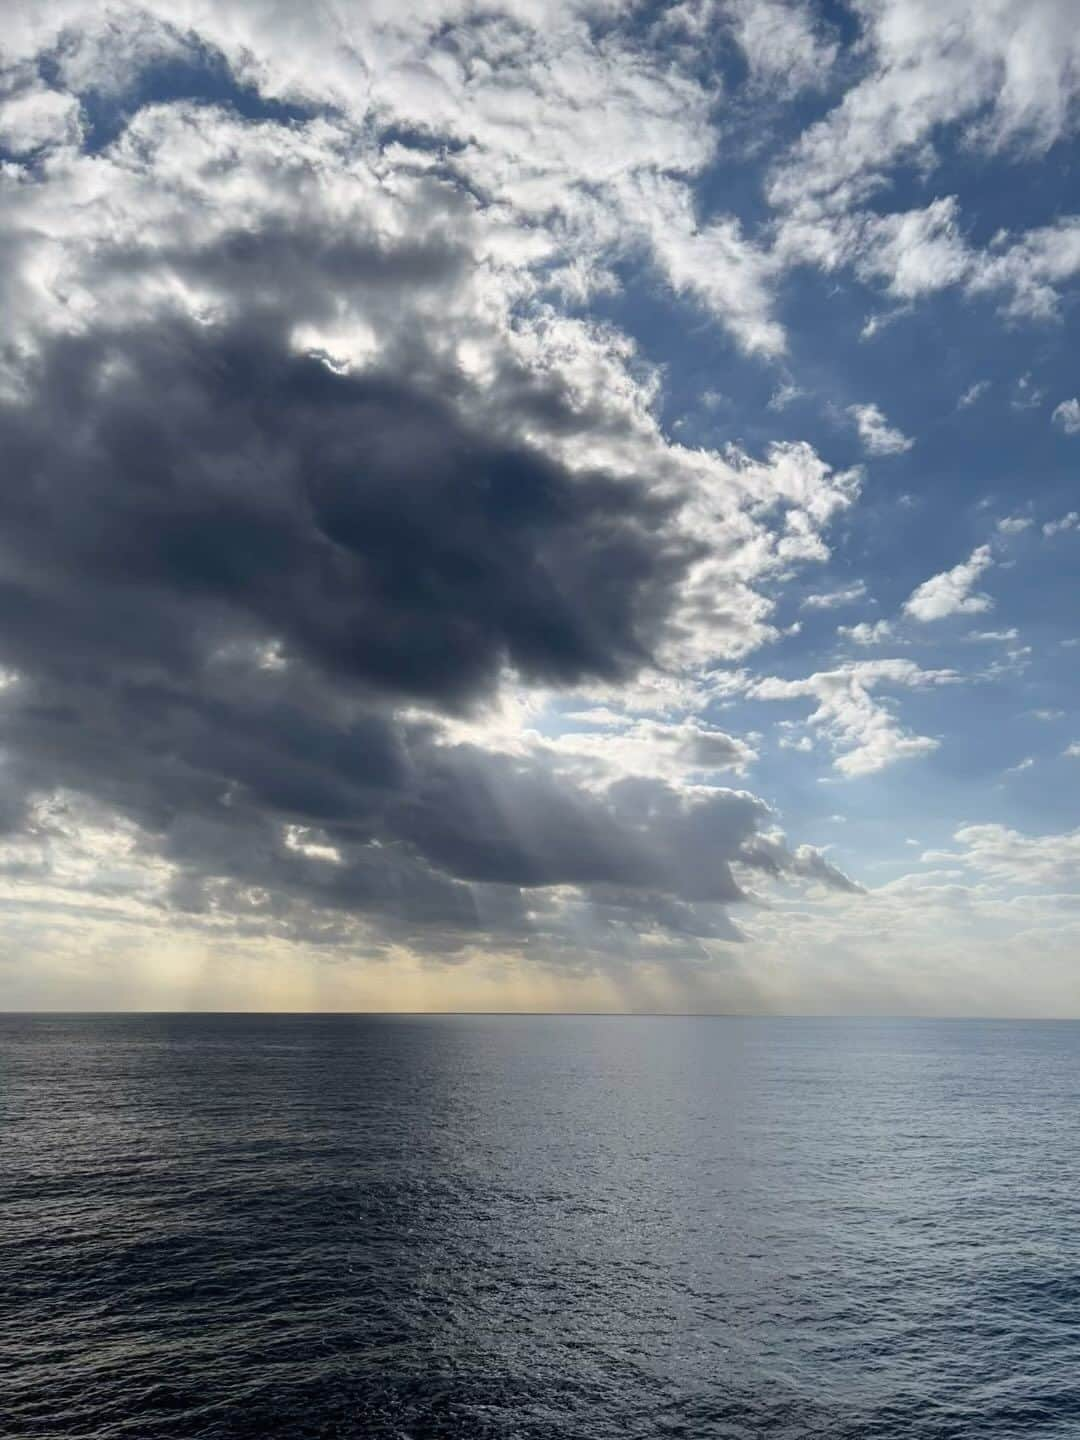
(543, 504)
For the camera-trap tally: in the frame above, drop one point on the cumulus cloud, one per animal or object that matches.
(995, 77)
(557, 114)
(1031, 269)
(1070, 521)
(1067, 415)
(867, 632)
(862, 729)
(1009, 72)
(35, 118)
(321, 470)
(875, 432)
(950, 593)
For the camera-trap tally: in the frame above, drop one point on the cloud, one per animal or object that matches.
(355, 594)
(1067, 415)
(917, 252)
(36, 118)
(1071, 521)
(935, 83)
(877, 435)
(321, 472)
(867, 632)
(577, 129)
(635, 745)
(1026, 396)
(785, 394)
(950, 592)
(1032, 269)
(1013, 525)
(781, 44)
(833, 599)
(1010, 73)
(881, 320)
(1016, 858)
(769, 853)
(713, 262)
(973, 393)
(863, 731)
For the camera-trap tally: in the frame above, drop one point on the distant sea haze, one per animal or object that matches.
(538, 1228)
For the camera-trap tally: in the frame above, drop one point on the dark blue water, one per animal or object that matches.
(218, 1226)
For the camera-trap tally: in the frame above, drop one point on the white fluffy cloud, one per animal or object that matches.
(1067, 415)
(867, 632)
(554, 114)
(1008, 72)
(862, 729)
(782, 45)
(875, 432)
(35, 118)
(996, 76)
(950, 593)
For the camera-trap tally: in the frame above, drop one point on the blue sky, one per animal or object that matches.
(616, 464)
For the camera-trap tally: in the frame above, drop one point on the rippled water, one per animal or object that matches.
(219, 1226)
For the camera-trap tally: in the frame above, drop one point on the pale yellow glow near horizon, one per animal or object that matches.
(55, 962)
(162, 972)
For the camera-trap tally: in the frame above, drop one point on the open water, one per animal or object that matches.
(480, 1227)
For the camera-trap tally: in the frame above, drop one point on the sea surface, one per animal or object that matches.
(480, 1227)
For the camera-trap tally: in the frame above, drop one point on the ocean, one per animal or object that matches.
(525, 1227)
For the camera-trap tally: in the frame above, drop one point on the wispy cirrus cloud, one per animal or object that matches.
(834, 599)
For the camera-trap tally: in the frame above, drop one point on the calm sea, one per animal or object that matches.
(218, 1226)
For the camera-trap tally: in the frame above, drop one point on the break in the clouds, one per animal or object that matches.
(442, 440)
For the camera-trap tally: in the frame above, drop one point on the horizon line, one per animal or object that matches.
(562, 1014)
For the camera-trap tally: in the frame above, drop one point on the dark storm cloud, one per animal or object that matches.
(233, 575)
(186, 495)
(181, 485)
